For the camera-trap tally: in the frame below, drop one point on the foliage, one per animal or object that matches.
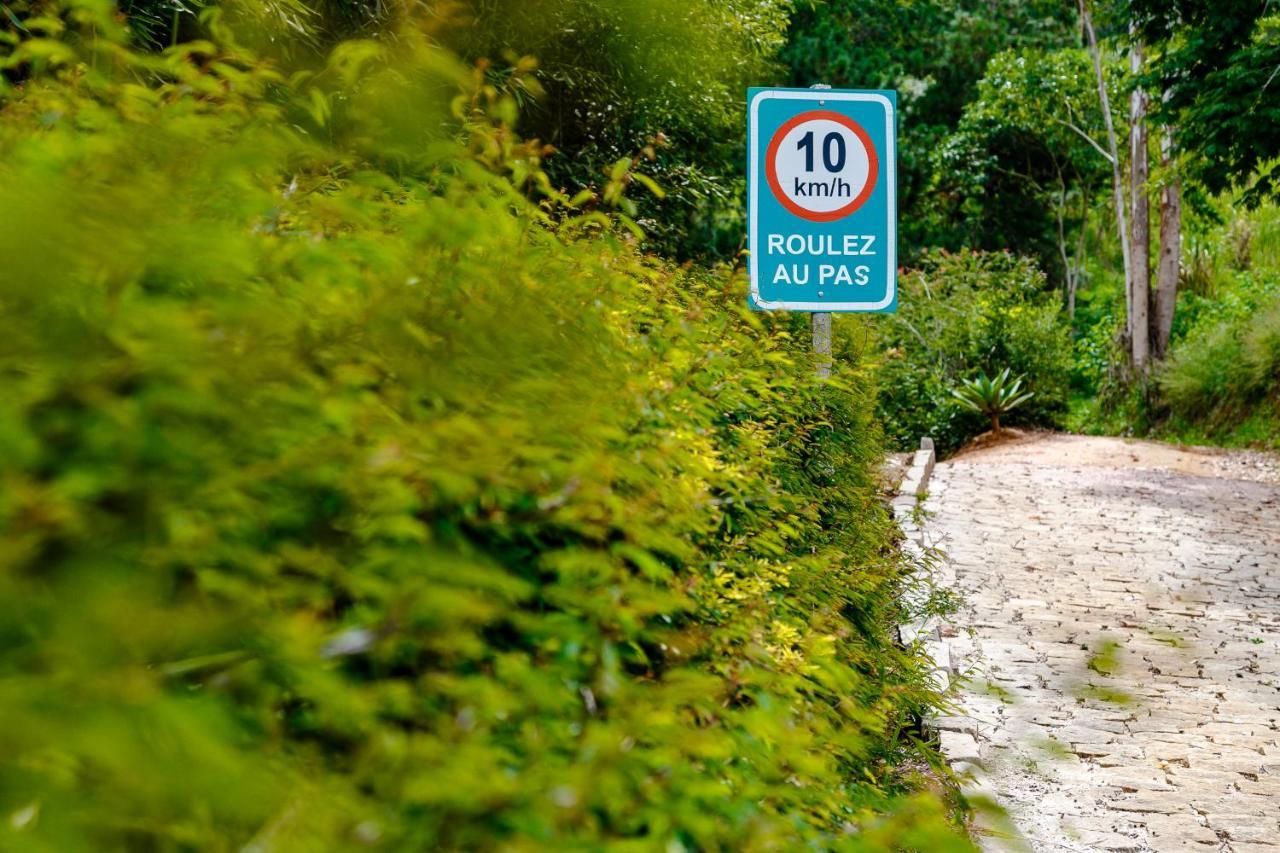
(1228, 252)
(992, 397)
(616, 83)
(933, 52)
(1222, 378)
(605, 83)
(349, 497)
(1096, 345)
(962, 315)
(1213, 388)
(1100, 384)
(1024, 165)
(1217, 61)
(1238, 298)
(296, 26)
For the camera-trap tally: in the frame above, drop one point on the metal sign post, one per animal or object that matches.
(821, 320)
(822, 342)
(821, 204)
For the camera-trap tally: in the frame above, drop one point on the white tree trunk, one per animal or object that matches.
(1068, 269)
(1169, 265)
(1117, 171)
(1082, 237)
(1140, 236)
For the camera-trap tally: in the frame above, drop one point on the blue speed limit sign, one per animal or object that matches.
(821, 202)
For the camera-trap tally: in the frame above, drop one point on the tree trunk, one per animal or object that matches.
(1081, 238)
(1140, 236)
(1117, 171)
(1170, 262)
(1068, 271)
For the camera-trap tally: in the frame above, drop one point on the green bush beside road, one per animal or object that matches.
(1222, 380)
(360, 492)
(960, 316)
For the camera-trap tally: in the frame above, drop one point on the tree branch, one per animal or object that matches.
(1086, 137)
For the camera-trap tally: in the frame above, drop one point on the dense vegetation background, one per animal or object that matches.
(388, 458)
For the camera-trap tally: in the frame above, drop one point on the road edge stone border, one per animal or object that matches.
(956, 736)
(957, 743)
(905, 502)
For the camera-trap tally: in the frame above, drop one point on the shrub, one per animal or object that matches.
(960, 316)
(1222, 380)
(1262, 350)
(349, 497)
(1243, 294)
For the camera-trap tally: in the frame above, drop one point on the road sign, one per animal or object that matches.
(821, 199)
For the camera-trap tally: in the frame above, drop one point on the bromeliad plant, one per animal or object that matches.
(992, 397)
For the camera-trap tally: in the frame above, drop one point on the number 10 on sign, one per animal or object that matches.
(822, 207)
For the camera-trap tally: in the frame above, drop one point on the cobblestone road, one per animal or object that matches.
(1121, 634)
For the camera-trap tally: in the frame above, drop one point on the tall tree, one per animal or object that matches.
(1140, 236)
(1026, 160)
(1117, 168)
(933, 52)
(1169, 265)
(1208, 61)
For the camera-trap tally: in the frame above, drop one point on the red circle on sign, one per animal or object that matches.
(771, 169)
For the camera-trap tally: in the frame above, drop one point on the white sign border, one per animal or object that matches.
(753, 203)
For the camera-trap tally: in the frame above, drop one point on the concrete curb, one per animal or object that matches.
(914, 486)
(956, 735)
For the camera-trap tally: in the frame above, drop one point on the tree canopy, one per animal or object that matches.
(1216, 65)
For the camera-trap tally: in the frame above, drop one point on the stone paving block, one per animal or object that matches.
(1246, 828)
(1135, 779)
(960, 746)
(1179, 828)
(1145, 802)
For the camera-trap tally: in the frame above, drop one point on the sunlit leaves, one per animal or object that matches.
(358, 487)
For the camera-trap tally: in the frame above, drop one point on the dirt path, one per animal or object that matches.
(1122, 636)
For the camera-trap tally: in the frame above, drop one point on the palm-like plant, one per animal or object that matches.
(992, 397)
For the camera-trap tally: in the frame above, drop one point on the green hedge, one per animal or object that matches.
(349, 498)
